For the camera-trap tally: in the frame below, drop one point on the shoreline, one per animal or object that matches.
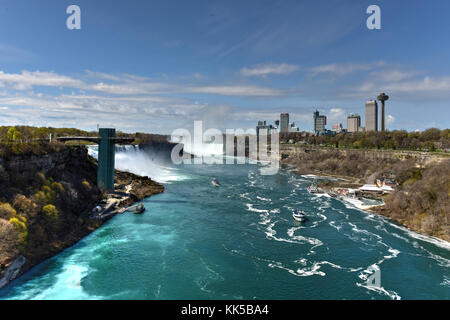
(379, 209)
(137, 188)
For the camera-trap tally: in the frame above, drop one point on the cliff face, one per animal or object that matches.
(359, 164)
(46, 202)
(420, 202)
(159, 149)
(44, 205)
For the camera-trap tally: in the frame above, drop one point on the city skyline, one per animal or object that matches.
(161, 66)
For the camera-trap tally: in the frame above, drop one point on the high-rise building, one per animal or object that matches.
(338, 128)
(320, 121)
(371, 115)
(284, 123)
(353, 123)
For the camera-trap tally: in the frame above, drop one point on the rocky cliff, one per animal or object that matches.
(45, 205)
(421, 200)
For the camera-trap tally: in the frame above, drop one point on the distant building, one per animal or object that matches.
(284, 123)
(263, 126)
(353, 123)
(320, 121)
(293, 128)
(371, 115)
(338, 128)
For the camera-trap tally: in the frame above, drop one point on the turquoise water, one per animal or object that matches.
(239, 241)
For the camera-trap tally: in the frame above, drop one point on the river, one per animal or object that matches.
(239, 241)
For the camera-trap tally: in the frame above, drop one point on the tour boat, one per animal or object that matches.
(313, 189)
(299, 216)
(139, 209)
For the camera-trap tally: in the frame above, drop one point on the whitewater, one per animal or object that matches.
(239, 241)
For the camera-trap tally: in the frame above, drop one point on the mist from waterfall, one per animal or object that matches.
(132, 159)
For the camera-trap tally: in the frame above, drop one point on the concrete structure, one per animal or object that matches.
(106, 154)
(263, 126)
(284, 123)
(106, 157)
(383, 98)
(353, 123)
(371, 115)
(320, 121)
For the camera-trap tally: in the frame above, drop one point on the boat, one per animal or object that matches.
(299, 216)
(139, 209)
(215, 182)
(313, 189)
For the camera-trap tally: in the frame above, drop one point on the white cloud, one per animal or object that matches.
(27, 80)
(244, 90)
(392, 75)
(266, 69)
(127, 84)
(343, 69)
(336, 115)
(414, 86)
(390, 119)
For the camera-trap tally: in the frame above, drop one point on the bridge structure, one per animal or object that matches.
(106, 141)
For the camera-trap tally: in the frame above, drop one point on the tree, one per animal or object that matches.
(6, 211)
(50, 211)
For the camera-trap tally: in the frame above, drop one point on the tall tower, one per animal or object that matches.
(106, 154)
(284, 123)
(320, 121)
(383, 97)
(371, 115)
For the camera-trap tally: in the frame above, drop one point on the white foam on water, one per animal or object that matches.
(309, 176)
(433, 240)
(363, 231)
(250, 208)
(446, 281)
(333, 224)
(245, 196)
(301, 239)
(313, 269)
(364, 275)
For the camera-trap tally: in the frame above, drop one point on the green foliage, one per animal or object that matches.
(49, 191)
(20, 224)
(86, 185)
(13, 134)
(429, 140)
(6, 211)
(50, 211)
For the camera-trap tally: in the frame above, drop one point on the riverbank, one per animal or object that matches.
(420, 199)
(46, 204)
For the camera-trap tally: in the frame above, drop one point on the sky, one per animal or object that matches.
(156, 66)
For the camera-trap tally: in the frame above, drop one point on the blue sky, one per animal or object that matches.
(156, 66)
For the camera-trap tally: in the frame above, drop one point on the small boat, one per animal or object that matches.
(299, 216)
(139, 209)
(215, 182)
(313, 189)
